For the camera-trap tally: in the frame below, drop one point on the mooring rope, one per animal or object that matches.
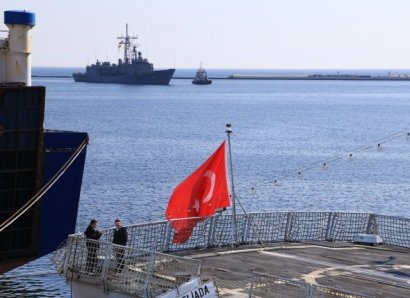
(45, 188)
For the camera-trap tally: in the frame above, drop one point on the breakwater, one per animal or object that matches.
(314, 77)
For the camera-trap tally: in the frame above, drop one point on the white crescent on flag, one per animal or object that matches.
(200, 195)
(211, 175)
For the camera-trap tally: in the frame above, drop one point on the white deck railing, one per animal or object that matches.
(143, 269)
(265, 285)
(126, 270)
(269, 228)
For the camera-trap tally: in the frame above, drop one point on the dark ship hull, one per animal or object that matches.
(201, 77)
(29, 158)
(156, 77)
(202, 82)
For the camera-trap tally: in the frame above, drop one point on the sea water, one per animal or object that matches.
(144, 140)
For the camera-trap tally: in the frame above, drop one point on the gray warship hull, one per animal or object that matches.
(157, 77)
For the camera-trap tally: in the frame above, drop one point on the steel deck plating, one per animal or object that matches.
(365, 270)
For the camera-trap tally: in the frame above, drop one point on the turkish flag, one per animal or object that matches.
(199, 195)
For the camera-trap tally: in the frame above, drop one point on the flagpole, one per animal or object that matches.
(235, 224)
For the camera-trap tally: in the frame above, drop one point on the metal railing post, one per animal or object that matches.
(247, 228)
(65, 255)
(288, 227)
(309, 291)
(251, 288)
(198, 272)
(149, 275)
(329, 227)
(72, 257)
(167, 237)
(73, 265)
(211, 231)
(106, 266)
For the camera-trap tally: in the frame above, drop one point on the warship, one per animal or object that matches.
(202, 251)
(133, 69)
(40, 170)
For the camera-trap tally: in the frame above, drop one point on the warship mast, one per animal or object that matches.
(126, 41)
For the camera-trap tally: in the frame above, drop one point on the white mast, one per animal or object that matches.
(126, 41)
(235, 224)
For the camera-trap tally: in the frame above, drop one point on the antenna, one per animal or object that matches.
(126, 41)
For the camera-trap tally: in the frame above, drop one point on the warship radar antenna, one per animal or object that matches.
(126, 41)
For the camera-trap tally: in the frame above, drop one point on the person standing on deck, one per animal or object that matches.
(92, 246)
(120, 238)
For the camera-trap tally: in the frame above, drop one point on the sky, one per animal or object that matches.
(268, 34)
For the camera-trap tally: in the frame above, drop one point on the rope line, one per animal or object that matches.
(247, 216)
(44, 189)
(340, 157)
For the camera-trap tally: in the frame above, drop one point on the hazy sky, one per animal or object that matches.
(224, 33)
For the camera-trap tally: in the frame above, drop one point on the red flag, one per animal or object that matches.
(199, 195)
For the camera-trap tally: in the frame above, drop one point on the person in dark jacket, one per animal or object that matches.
(92, 246)
(120, 238)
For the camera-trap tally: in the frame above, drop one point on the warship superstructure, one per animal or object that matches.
(132, 69)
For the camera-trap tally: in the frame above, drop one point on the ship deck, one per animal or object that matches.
(382, 271)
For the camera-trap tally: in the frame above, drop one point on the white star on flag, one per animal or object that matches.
(196, 206)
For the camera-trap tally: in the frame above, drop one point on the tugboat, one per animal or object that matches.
(134, 69)
(201, 77)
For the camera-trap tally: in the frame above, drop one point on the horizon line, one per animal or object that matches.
(260, 68)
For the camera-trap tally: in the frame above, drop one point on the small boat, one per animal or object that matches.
(201, 77)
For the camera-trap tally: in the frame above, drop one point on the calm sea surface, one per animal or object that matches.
(146, 139)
